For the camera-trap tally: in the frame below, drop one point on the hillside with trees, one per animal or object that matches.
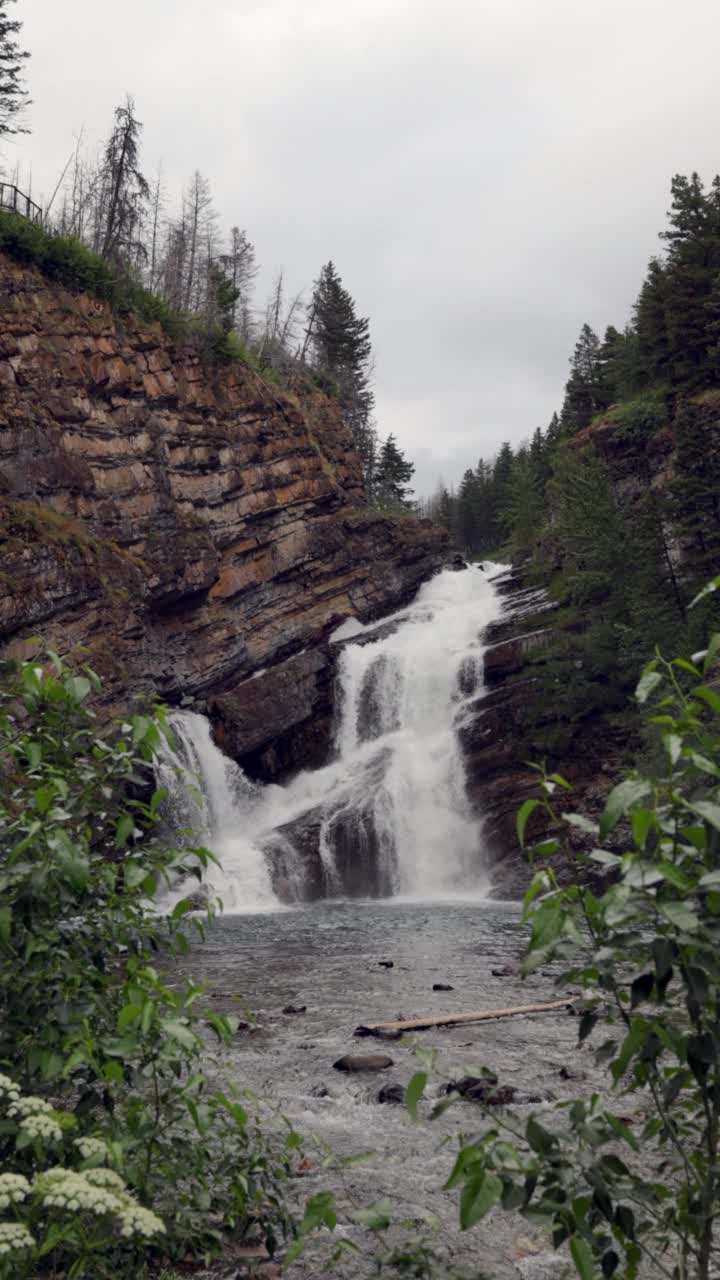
(615, 505)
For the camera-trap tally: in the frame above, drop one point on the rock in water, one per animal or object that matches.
(363, 1062)
(386, 964)
(295, 1008)
(442, 986)
(392, 1093)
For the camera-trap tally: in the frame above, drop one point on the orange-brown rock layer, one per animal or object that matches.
(183, 525)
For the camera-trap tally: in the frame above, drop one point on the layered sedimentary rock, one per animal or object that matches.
(183, 526)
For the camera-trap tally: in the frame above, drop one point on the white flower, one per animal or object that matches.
(14, 1237)
(64, 1189)
(91, 1148)
(13, 1189)
(104, 1178)
(41, 1127)
(30, 1106)
(8, 1089)
(138, 1221)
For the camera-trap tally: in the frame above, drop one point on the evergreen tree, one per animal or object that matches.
(583, 390)
(341, 352)
(13, 98)
(241, 269)
(123, 191)
(693, 263)
(695, 494)
(499, 492)
(392, 476)
(524, 505)
(653, 344)
(469, 512)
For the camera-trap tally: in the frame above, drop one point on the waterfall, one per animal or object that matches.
(388, 816)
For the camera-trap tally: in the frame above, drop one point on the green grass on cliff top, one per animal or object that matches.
(69, 262)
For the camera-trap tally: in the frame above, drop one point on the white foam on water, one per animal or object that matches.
(398, 767)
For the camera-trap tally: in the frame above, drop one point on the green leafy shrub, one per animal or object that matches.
(86, 1020)
(646, 953)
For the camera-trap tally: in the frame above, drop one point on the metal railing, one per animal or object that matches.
(15, 201)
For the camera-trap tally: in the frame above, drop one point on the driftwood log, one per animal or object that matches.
(381, 1029)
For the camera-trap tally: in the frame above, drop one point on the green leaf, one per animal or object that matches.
(679, 915)
(180, 1032)
(712, 651)
(414, 1092)
(538, 1138)
(673, 745)
(376, 1217)
(581, 822)
(123, 830)
(582, 1257)
(642, 820)
(633, 1041)
(708, 695)
(521, 821)
(708, 811)
(685, 666)
(479, 1194)
(674, 876)
(5, 925)
(621, 799)
(78, 687)
(648, 681)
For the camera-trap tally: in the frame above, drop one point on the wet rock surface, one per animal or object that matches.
(330, 951)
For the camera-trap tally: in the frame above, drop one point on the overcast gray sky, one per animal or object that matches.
(485, 175)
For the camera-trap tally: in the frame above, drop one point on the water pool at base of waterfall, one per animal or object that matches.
(327, 957)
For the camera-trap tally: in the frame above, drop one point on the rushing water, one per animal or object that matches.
(387, 817)
(325, 957)
(389, 812)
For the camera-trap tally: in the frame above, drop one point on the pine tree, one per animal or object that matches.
(524, 506)
(695, 494)
(392, 476)
(13, 98)
(339, 340)
(653, 343)
(583, 390)
(241, 269)
(123, 191)
(468, 522)
(693, 263)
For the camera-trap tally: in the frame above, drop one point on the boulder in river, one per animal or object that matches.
(392, 1093)
(386, 964)
(295, 1008)
(363, 1062)
(442, 986)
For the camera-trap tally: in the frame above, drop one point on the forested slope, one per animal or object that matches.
(615, 507)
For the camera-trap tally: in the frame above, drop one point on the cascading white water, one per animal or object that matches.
(209, 797)
(390, 810)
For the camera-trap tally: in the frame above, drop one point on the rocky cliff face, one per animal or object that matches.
(190, 531)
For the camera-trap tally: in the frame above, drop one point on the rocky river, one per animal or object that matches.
(346, 963)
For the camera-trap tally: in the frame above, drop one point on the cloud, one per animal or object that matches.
(486, 176)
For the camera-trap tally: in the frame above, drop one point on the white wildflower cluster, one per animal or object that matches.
(13, 1189)
(14, 1237)
(36, 1118)
(97, 1191)
(104, 1178)
(9, 1091)
(135, 1220)
(64, 1189)
(92, 1148)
